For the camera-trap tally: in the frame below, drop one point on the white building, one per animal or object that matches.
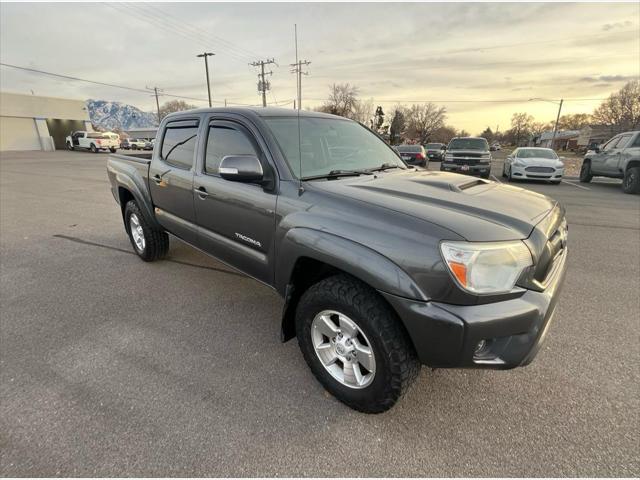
(29, 122)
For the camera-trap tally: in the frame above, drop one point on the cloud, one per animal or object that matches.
(612, 26)
(607, 78)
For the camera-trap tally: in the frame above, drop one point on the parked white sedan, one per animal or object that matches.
(529, 163)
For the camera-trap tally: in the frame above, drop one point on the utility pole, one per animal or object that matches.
(155, 91)
(206, 67)
(297, 69)
(555, 128)
(263, 84)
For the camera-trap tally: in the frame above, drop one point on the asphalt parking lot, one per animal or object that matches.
(111, 366)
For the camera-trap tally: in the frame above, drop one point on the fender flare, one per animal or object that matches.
(353, 258)
(140, 195)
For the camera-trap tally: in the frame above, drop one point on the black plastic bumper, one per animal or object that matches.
(478, 169)
(448, 336)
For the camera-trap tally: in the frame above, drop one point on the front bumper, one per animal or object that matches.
(477, 169)
(447, 336)
(525, 173)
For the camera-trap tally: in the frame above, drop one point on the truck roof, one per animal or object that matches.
(257, 111)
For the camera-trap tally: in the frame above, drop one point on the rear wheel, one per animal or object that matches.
(631, 181)
(112, 150)
(148, 242)
(585, 172)
(354, 344)
(134, 147)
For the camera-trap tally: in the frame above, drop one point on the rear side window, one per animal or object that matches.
(227, 139)
(179, 143)
(637, 142)
(624, 139)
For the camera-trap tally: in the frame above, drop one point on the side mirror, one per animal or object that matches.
(444, 147)
(241, 168)
(597, 149)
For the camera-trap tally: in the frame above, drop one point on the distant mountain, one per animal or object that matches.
(116, 115)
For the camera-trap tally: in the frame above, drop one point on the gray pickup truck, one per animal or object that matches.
(618, 158)
(382, 267)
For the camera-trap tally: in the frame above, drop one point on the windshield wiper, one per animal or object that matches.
(384, 166)
(338, 173)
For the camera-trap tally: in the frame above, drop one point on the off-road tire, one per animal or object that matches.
(631, 180)
(156, 241)
(585, 172)
(397, 365)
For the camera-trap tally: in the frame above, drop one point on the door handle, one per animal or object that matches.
(202, 192)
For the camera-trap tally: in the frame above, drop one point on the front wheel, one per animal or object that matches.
(631, 181)
(69, 146)
(354, 344)
(585, 172)
(148, 242)
(93, 148)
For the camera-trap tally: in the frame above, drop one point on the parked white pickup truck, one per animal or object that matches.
(94, 141)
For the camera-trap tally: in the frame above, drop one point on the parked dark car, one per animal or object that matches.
(435, 151)
(382, 268)
(124, 144)
(470, 155)
(617, 158)
(413, 155)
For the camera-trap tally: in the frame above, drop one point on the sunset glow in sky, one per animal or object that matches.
(463, 56)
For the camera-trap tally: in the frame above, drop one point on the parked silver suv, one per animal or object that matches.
(618, 158)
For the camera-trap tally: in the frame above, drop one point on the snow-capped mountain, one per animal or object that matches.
(116, 115)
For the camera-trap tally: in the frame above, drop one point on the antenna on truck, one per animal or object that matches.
(300, 187)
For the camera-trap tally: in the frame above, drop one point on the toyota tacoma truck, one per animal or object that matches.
(382, 267)
(618, 158)
(470, 155)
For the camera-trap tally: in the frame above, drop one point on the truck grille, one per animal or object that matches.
(540, 169)
(465, 161)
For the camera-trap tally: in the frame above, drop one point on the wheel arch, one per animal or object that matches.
(130, 191)
(307, 256)
(631, 164)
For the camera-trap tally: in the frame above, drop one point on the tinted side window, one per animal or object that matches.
(637, 142)
(610, 144)
(624, 139)
(225, 139)
(179, 143)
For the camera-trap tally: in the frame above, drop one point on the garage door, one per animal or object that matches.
(59, 129)
(18, 134)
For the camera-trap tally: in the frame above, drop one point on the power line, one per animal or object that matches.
(113, 85)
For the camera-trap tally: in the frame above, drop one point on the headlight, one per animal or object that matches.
(486, 267)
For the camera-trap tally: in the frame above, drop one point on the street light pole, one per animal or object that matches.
(206, 67)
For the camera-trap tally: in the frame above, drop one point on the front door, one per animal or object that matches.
(614, 156)
(171, 179)
(236, 219)
(599, 160)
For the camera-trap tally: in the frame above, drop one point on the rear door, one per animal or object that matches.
(614, 158)
(599, 160)
(236, 220)
(171, 178)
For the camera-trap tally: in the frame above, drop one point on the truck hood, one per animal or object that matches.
(476, 209)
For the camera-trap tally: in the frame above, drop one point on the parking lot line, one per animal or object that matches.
(577, 186)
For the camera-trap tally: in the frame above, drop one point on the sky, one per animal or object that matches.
(482, 61)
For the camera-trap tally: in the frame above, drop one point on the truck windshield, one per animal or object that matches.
(469, 144)
(328, 144)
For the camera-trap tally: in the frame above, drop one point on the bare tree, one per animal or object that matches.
(443, 134)
(424, 119)
(521, 126)
(487, 134)
(363, 111)
(342, 101)
(174, 106)
(621, 110)
(573, 121)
